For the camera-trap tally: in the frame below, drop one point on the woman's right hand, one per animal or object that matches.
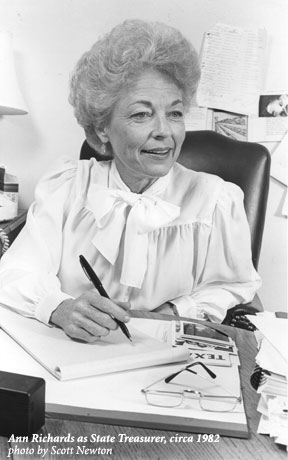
(89, 316)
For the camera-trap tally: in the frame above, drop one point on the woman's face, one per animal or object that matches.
(279, 106)
(146, 130)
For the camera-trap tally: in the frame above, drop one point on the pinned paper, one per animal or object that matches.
(279, 165)
(232, 69)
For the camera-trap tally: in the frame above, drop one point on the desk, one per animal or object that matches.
(258, 447)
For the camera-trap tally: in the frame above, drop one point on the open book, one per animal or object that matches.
(67, 359)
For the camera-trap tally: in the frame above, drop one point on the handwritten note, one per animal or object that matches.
(232, 69)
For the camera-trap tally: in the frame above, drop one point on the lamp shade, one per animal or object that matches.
(11, 100)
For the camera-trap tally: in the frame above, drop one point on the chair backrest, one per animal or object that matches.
(246, 164)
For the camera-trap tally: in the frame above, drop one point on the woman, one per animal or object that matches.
(278, 107)
(156, 233)
(273, 106)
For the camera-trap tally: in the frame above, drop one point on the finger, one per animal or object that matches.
(96, 329)
(108, 306)
(87, 311)
(93, 321)
(99, 317)
(77, 333)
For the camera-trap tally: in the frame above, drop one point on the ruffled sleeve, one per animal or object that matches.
(227, 277)
(28, 270)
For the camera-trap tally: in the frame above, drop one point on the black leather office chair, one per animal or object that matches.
(244, 163)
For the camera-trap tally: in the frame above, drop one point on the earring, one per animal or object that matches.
(103, 149)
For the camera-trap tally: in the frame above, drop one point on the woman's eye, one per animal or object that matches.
(141, 115)
(176, 114)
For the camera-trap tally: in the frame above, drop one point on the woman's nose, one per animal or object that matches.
(161, 127)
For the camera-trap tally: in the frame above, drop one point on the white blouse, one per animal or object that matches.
(184, 240)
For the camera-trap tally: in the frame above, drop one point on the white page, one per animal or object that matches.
(264, 129)
(279, 164)
(67, 359)
(269, 358)
(264, 425)
(158, 329)
(232, 69)
(198, 119)
(274, 329)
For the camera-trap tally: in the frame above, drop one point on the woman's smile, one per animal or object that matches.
(158, 152)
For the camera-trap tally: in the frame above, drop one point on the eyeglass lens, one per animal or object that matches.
(220, 404)
(164, 399)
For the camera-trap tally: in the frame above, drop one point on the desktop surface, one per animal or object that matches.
(84, 439)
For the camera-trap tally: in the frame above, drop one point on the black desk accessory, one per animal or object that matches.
(22, 404)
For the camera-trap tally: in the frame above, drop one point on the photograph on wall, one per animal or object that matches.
(232, 125)
(273, 105)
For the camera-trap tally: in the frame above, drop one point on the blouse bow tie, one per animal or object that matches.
(113, 209)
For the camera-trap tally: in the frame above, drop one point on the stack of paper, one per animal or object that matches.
(270, 376)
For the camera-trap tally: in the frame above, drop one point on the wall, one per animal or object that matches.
(49, 36)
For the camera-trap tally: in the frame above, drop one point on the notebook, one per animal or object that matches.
(67, 359)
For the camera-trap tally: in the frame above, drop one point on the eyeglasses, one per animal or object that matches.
(212, 403)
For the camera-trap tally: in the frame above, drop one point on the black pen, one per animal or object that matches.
(91, 275)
